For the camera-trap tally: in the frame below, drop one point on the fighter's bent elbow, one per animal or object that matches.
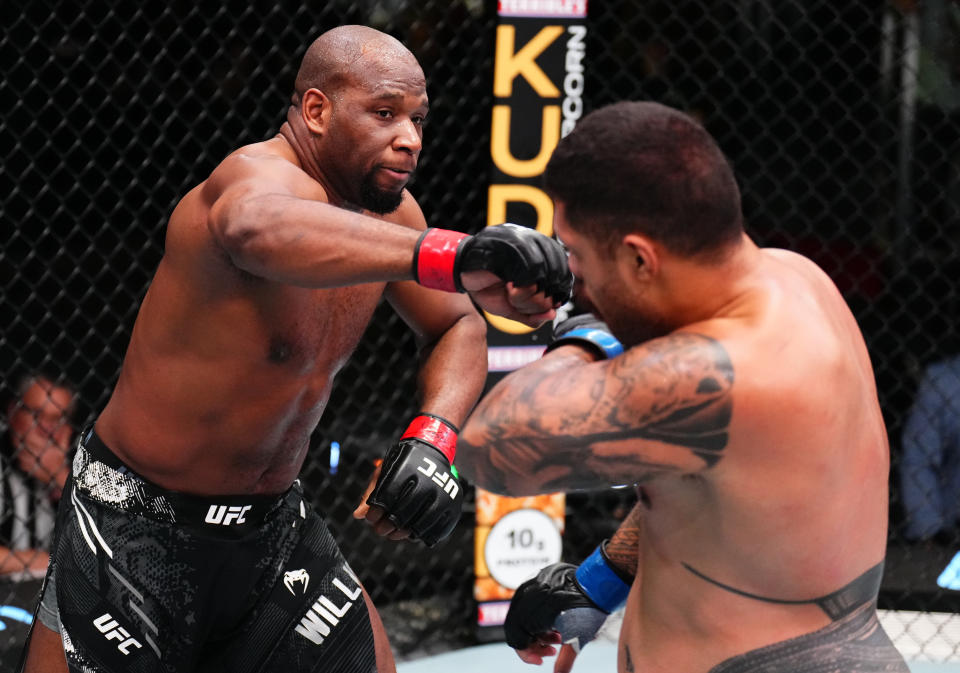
(475, 461)
(474, 328)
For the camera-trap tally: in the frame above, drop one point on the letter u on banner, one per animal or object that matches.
(500, 142)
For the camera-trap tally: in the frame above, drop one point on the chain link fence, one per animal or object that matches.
(841, 120)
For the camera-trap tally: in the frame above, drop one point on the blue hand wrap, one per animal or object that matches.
(601, 584)
(605, 341)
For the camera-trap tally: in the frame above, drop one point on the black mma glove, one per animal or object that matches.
(584, 329)
(516, 254)
(574, 600)
(419, 487)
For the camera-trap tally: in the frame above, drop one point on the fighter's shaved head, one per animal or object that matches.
(350, 54)
(356, 116)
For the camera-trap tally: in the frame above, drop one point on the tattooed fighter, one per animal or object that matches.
(743, 406)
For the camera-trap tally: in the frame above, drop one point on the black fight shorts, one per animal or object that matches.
(856, 643)
(148, 580)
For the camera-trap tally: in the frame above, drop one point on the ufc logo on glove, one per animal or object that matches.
(412, 470)
(440, 479)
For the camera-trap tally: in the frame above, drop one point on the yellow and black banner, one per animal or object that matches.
(538, 86)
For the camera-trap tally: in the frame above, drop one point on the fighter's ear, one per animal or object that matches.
(643, 253)
(315, 110)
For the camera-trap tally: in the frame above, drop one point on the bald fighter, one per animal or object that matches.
(743, 406)
(185, 542)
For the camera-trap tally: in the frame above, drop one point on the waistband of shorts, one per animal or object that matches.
(100, 475)
(856, 642)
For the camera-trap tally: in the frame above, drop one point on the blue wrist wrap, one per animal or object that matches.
(601, 584)
(605, 341)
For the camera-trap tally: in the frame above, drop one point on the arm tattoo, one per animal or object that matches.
(561, 427)
(623, 548)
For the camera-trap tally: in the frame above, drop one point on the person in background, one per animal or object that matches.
(35, 464)
(930, 460)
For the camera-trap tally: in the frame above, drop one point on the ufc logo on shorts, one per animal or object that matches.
(441, 479)
(112, 630)
(223, 515)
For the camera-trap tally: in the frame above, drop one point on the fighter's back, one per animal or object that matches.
(793, 509)
(227, 373)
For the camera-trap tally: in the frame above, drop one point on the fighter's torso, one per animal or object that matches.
(227, 374)
(796, 506)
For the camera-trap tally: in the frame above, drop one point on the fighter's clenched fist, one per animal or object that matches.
(507, 269)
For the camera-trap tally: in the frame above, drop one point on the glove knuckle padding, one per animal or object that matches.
(557, 281)
(409, 495)
(502, 249)
(520, 255)
(538, 602)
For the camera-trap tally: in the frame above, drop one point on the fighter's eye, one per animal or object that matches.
(384, 114)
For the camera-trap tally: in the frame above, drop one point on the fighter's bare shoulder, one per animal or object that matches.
(800, 264)
(268, 167)
(258, 169)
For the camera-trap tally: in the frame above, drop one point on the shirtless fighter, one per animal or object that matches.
(186, 543)
(743, 406)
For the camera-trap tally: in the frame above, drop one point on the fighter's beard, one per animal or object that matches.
(377, 200)
(640, 328)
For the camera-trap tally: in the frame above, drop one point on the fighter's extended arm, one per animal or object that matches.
(568, 422)
(273, 221)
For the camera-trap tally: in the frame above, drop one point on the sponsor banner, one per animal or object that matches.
(508, 358)
(538, 87)
(514, 538)
(569, 9)
(493, 613)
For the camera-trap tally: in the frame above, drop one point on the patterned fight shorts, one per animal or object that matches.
(147, 580)
(856, 643)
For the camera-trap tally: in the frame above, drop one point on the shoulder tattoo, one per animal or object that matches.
(693, 408)
(676, 390)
